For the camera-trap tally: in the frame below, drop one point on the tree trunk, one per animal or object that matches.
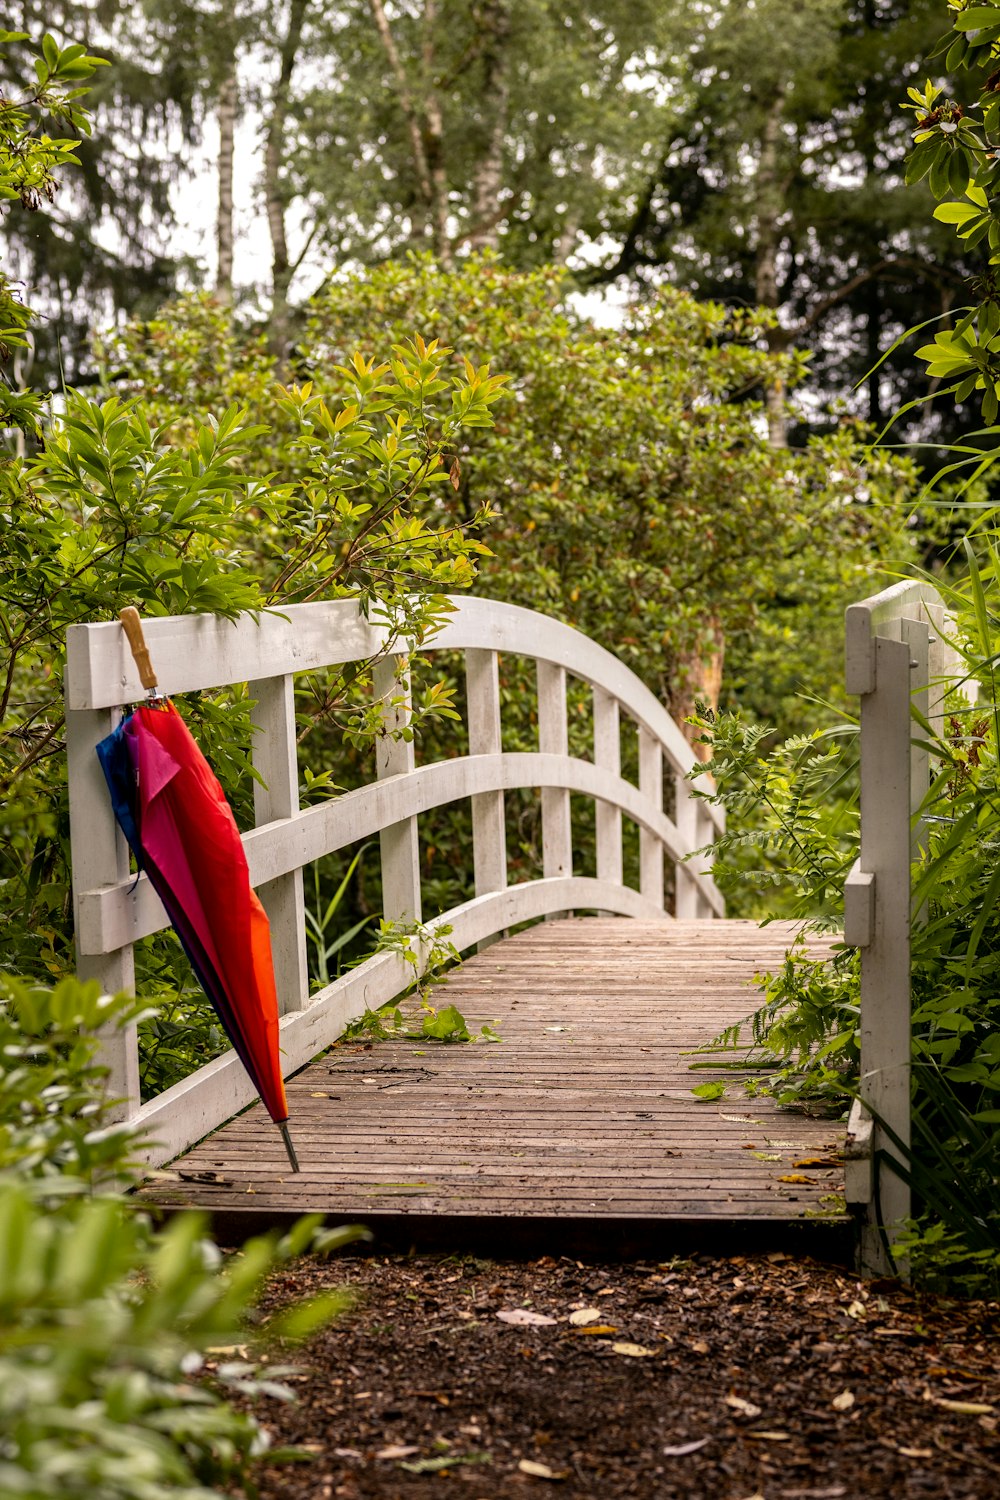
(273, 192)
(487, 213)
(768, 211)
(702, 672)
(224, 223)
(434, 133)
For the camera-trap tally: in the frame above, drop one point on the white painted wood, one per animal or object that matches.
(916, 634)
(274, 752)
(100, 859)
(866, 620)
(651, 788)
(196, 652)
(859, 907)
(686, 903)
(885, 970)
(395, 756)
(553, 739)
(489, 835)
(608, 757)
(131, 910)
(198, 1104)
(858, 1184)
(202, 652)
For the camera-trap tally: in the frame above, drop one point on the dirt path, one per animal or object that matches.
(723, 1379)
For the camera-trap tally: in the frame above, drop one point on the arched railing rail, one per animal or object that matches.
(201, 652)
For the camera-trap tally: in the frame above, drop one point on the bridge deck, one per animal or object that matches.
(578, 1131)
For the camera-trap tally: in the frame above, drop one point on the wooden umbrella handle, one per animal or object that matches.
(132, 625)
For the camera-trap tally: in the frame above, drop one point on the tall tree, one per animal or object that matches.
(782, 184)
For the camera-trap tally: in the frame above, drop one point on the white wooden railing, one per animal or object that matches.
(898, 657)
(195, 652)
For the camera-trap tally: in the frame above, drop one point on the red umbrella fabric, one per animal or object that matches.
(184, 835)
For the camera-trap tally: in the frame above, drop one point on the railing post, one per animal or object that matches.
(885, 962)
(275, 758)
(651, 787)
(100, 857)
(553, 739)
(395, 756)
(608, 819)
(489, 834)
(687, 905)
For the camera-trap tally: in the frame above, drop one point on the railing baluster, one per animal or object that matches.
(489, 835)
(687, 904)
(394, 756)
(275, 757)
(553, 739)
(100, 857)
(651, 786)
(608, 755)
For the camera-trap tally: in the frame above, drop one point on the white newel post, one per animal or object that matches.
(608, 818)
(274, 752)
(651, 787)
(885, 959)
(100, 858)
(553, 739)
(394, 756)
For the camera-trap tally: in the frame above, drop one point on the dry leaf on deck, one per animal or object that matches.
(798, 1177)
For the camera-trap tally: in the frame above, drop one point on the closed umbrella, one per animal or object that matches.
(181, 829)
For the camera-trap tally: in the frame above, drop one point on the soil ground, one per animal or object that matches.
(720, 1378)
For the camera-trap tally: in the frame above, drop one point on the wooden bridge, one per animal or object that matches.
(582, 1119)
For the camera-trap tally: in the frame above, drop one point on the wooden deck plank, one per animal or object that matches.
(582, 1116)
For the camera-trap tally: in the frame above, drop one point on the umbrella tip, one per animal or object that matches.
(286, 1137)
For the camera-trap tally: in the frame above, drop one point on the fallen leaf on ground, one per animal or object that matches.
(635, 1351)
(398, 1450)
(798, 1177)
(698, 1346)
(681, 1450)
(843, 1402)
(745, 1408)
(523, 1317)
(858, 1311)
(771, 1156)
(600, 1329)
(965, 1408)
(584, 1315)
(436, 1465)
(539, 1471)
(832, 1492)
(818, 1161)
(770, 1437)
(916, 1452)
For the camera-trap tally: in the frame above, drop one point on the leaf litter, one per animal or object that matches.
(755, 1357)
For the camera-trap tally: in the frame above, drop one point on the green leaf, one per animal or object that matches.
(709, 1090)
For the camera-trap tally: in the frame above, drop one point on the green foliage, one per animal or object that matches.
(428, 952)
(111, 1381)
(805, 1032)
